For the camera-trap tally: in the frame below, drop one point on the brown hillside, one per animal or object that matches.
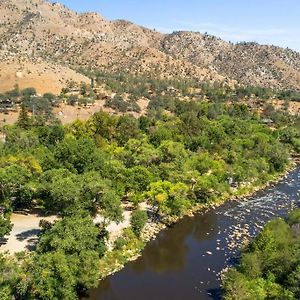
(52, 41)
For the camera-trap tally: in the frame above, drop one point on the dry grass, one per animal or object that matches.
(43, 76)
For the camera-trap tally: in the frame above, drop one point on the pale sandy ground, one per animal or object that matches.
(24, 234)
(114, 229)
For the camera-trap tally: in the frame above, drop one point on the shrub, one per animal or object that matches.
(138, 221)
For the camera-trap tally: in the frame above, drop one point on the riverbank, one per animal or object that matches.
(25, 232)
(250, 276)
(185, 260)
(115, 260)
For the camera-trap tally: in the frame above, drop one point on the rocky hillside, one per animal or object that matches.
(45, 43)
(248, 63)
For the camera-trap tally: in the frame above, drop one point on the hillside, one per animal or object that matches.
(247, 63)
(53, 43)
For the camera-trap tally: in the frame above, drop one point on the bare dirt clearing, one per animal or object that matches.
(24, 233)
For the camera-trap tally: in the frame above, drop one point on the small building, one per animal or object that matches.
(267, 121)
(171, 89)
(6, 104)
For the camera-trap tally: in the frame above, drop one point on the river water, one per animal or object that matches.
(184, 261)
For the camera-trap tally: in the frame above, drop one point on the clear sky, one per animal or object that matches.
(264, 21)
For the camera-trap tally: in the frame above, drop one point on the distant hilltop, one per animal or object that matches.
(45, 45)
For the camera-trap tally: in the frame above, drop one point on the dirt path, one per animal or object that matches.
(25, 231)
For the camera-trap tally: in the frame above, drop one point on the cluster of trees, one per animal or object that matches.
(78, 94)
(261, 93)
(39, 106)
(270, 267)
(157, 89)
(289, 95)
(171, 160)
(66, 262)
(138, 85)
(162, 93)
(124, 157)
(138, 221)
(192, 155)
(119, 104)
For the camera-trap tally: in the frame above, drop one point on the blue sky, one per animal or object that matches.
(264, 21)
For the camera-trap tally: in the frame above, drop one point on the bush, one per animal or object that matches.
(294, 217)
(5, 226)
(120, 242)
(138, 221)
(269, 267)
(117, 103)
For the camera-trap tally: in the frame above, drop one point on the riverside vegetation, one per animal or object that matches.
(269, 268)
(177, 157)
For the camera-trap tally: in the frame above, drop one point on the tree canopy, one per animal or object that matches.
(270, 267)
(181, 153)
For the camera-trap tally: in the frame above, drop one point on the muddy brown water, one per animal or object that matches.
(184, 261)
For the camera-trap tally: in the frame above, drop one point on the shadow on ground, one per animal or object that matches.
(27, 234)
(32, 244)
(3, 241)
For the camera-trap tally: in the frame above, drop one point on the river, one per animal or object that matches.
(184, 261)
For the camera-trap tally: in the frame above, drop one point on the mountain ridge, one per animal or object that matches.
(40, 33)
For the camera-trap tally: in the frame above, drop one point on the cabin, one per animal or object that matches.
(267, 121)
(7, 104)
(171, 89)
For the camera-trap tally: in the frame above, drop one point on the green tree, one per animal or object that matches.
(76, 155)
(127, 128)
(5, 226)
(293, 282)
(139, 178)
(99, 195)
(139, 152)
(67, 259)
(104, 124)
(15, 186)
(28, 92)
(172, 151)
(24, 121)
(169, 198)
(110, 206)
(52, 277)
(9, 276)
(269, 266)
(294, 217)
(138, 221)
